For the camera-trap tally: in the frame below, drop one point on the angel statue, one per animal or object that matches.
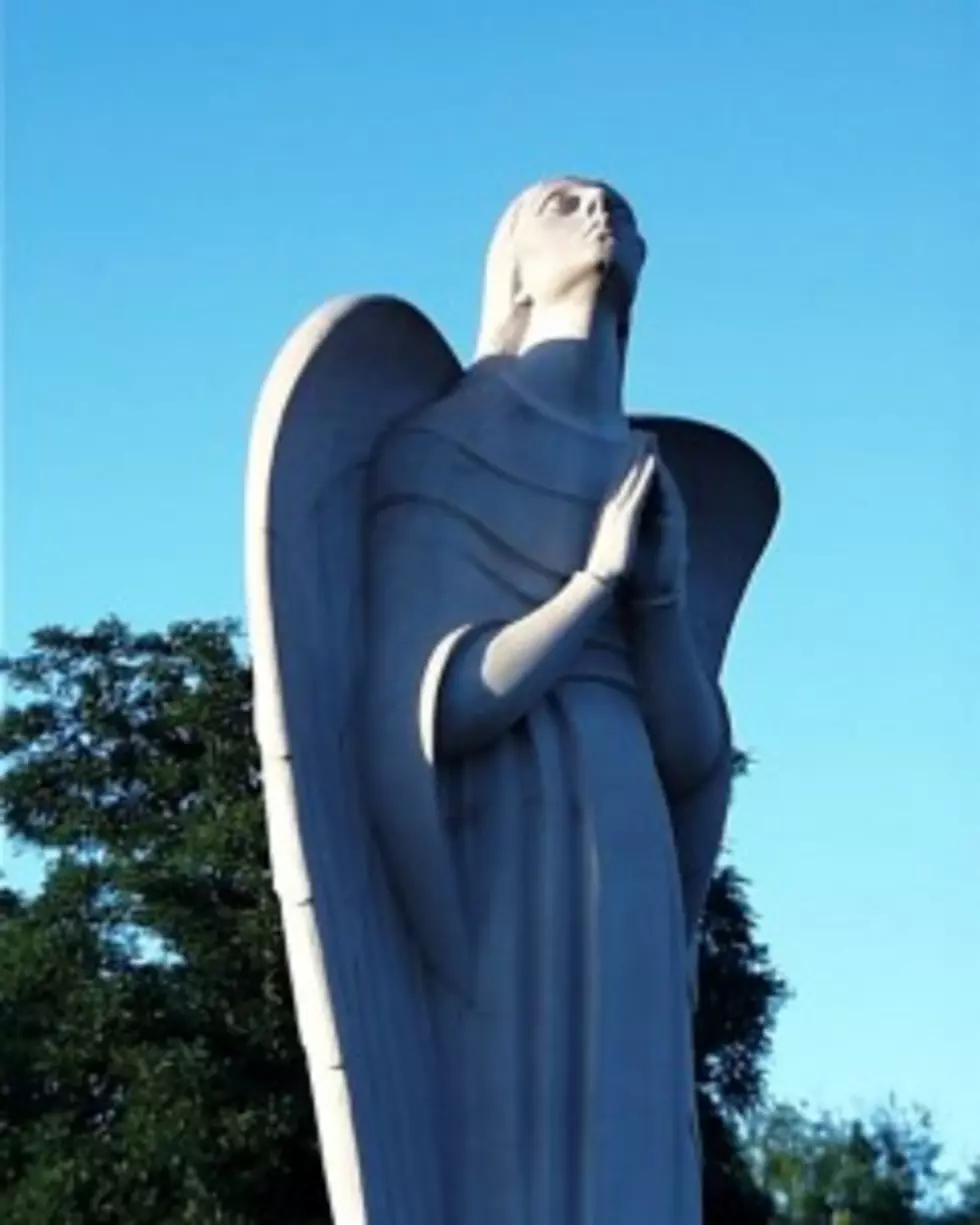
(488, 611)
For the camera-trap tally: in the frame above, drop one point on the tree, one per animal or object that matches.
(150, 1069)
(969, 1206)
(739, 995)
(823, 1169)
(965, 1209)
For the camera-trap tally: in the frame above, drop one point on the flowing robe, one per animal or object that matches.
(563, 1065)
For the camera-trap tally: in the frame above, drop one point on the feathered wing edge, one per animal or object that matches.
(732, 501)
(345, 375)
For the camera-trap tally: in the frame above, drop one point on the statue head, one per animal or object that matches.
(559, 237)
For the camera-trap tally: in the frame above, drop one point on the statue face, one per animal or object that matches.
(574, 234)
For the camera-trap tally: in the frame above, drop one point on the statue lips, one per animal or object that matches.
(606, 240)
(614, 239)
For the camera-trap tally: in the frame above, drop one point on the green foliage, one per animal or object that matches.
(966, 1208)
(739, 995)
(150, 1070)
(822, 1169)
(970, 1193)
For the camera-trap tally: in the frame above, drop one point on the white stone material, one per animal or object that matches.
(488, 612)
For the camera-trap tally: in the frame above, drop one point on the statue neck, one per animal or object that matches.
(571, 364)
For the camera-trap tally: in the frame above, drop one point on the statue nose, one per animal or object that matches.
(601, 205)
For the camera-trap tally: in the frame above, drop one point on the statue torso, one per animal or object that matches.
(512, 496)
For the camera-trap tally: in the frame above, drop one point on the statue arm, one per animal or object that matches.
(438, 681)
(682, 707)
(687, 720)
(497, 675)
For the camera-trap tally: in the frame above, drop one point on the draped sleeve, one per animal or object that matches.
(417, 614)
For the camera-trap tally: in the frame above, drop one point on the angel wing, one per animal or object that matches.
(732, 502)
(348, 373)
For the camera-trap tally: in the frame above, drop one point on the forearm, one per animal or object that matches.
(495, 677)
(682, 706)
(698, 823)
(688, 724)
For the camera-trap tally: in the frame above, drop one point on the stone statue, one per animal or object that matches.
(488, 612)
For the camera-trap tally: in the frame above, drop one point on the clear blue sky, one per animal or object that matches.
(186, 180)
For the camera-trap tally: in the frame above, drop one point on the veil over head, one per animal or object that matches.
(502, 316)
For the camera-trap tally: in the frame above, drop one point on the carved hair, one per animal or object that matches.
(504, 315)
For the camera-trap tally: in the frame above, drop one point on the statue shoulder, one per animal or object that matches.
(457, 417)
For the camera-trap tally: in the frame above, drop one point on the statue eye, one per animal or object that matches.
(562, 202)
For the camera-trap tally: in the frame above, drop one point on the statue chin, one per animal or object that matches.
(617, 289)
